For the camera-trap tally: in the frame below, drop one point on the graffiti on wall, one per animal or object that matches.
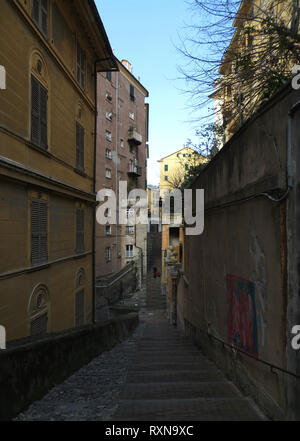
(242, 329)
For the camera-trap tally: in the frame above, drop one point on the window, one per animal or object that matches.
(108, 230)
(107, 212)
(108, 116)
(79, 230)
(108, 97)
(108, 173)
(130, 229)
(131, 94)
(40, 15)
(129, 251)
(122, 143)
(108, 76)
(108, 154)
(166, 178)
(79, 308)
(166, 167)
(39, 232)
(81, 62)
(79, 147)
(39, 111)
(131, 115)
(38, 309)
(108, 136)
(108, 254)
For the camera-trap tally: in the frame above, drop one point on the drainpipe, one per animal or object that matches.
(117, 160)
(289, 175)
(94, 190)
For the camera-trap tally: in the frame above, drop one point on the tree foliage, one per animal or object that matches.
(242, 51)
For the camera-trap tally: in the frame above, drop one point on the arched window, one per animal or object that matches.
(80, 298)
(39, 310)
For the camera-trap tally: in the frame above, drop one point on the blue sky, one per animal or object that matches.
(144, 33)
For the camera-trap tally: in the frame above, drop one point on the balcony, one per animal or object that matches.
(134, 169)
(134, 136)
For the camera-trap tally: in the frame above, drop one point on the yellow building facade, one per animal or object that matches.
(47, 176)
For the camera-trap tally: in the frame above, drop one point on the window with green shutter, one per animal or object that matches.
(39, 232)
(40, 14)
(79, 230)
(79, 147)
(39, 114)
(81, 66)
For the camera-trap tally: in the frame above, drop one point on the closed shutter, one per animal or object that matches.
(43, 121)
(79, 308)
(39, 114)
(39, 325)
(79, 147)
(39, 232)
(35, 233)
(43, 232)
(80, 230)
(35, 111)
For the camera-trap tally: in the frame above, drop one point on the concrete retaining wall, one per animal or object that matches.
(236, 272)
(29, 371)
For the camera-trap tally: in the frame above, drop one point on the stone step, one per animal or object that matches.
(196, 409)
(171, 376)
(179, 390)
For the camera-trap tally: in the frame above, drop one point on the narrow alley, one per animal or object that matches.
(156, 375)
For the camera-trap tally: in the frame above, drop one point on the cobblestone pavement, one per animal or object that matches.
(92, 393)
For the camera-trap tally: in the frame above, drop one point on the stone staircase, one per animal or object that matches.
(155, 300)
(171, 380)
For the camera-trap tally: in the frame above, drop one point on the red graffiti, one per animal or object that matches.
(242, 330)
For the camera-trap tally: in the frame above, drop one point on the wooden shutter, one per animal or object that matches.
(39, 232)
(79, 308)
(79, 147)
(35, 111)
(35, 233)
(79, 230)
(43, 117)
(43, 232)
(39, 325)
(39, 114)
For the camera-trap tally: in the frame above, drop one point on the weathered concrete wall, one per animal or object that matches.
(235, 285)
(29, 371)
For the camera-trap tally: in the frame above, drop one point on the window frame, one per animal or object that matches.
(81, 66)
(42, 9)
(80, 230)
(39, 114)
(80, 141)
